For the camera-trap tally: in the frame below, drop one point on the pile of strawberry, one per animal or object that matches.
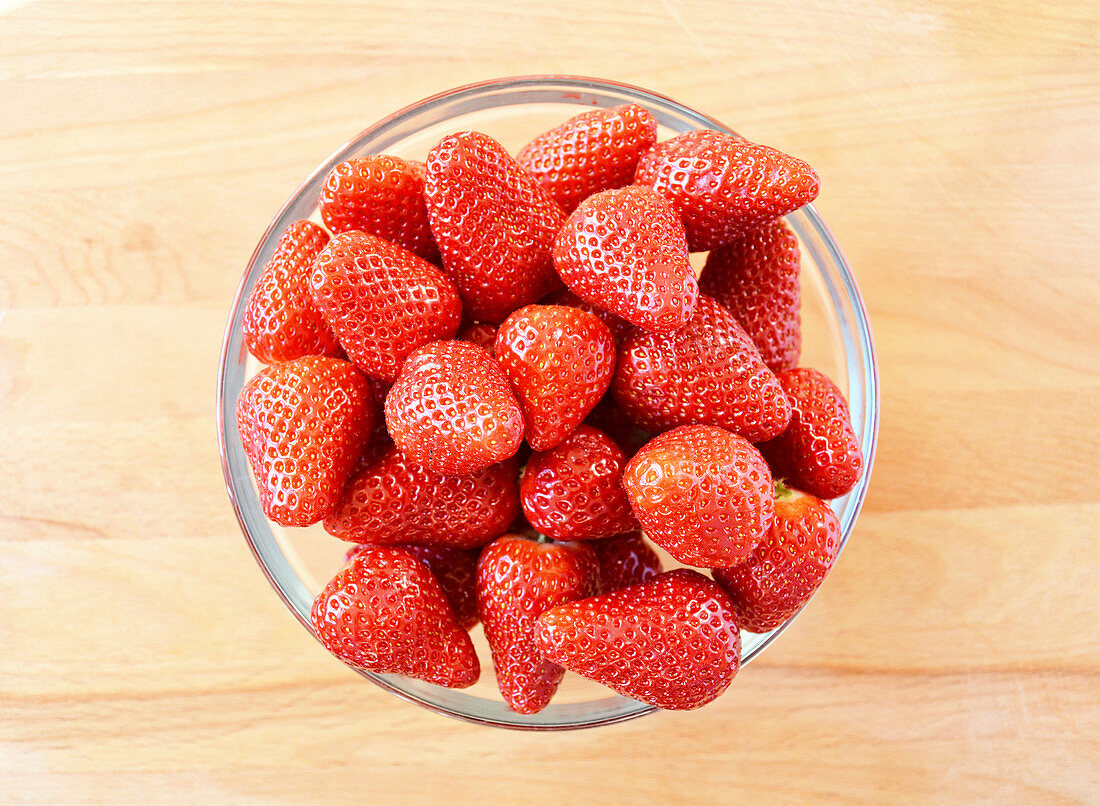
(498, 372)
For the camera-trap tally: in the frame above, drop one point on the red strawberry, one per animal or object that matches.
(708, 372)
(672, 642)
(517, 580)
(395, 501)
(756, 278)
(303, 425)
(788, 566)
(382, 301)
(721, 185)
(574, 491)
(625, 560)
(451, 409)
(593, 151)
(454, 569)
(607, 417)
(281, 321)
(482, 334)
(819, 451)
(559, 361)
(386, 612)
(494, 224)
(701, 493)
(624, 251)
(380, 195)
(619, 328)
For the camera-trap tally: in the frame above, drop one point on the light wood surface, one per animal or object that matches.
(953, 655)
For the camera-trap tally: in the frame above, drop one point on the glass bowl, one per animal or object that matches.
(298, 562)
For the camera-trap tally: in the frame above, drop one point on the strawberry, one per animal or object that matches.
(494, 224)
(482, 334)
(619, 328)
(721, 184)
(382, 301)
(574, 491)
(593, 151)
(701, 493)
(303, 424)
(452, 411)
(625, 560)
(559, 361)
(385, 612)
(756, 278)
(517, 580)
(624, 251)
(380, 195)
(819, 451)
(789, 564)
(454, 569)
(708, 372)
(672, 641)
(281, 321)
(394, 500)
(609, 418)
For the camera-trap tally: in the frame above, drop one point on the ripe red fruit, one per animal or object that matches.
(494, 224)
(517, 580)
(281, 321)
(574, 491)
(610, 419)
(721, 185)
(393, 501)
(756, 278)
(451, 409)
(482, 334)
(708, 372)
(454, 569)
(593, 151)
(382, 301)
(619, 328)
(385, 612)
(624, 251)
(819, 451)
(559, 361)
(625, 560)
(788, 566)
(672, 641)
(303, 424)
(380, 195)
(701, 493)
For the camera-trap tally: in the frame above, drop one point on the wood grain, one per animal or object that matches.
(952, 657)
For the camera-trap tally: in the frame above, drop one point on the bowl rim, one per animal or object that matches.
(869, 435)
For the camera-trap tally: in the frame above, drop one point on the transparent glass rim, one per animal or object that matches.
(569, 90)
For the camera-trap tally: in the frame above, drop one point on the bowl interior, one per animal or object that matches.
(298, 562)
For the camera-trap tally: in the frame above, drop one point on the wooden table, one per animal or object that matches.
(953, 654)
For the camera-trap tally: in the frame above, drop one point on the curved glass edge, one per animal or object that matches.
(569, 90)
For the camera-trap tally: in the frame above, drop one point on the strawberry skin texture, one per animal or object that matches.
(672, 641)
(708, 372)
(303, 424)
(452, 411)
(756, 278)
(574, 491)
(619, 328)
(517, 580)
(382, 301)
(721, 184)
(625, 560)
(624, 251)
(281, 321)
(494, 224)
(380, 195)
(385, 612)
(702, 494)
(559, 361)
(788, 565)
(819, 451)
(594, 151)
(454, 569)
(482, 334)
(393, 501)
